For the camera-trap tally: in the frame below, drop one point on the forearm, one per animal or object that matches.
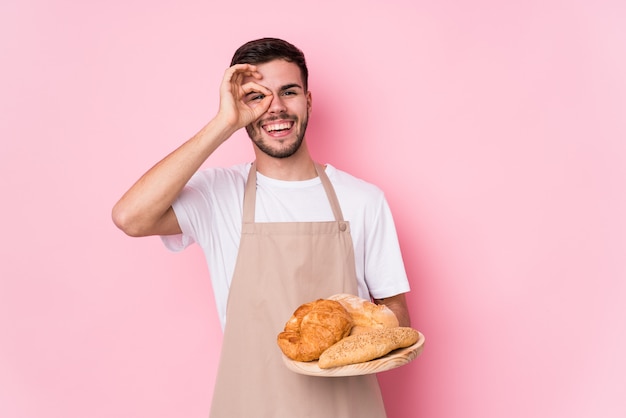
(398, 306)
(145, 209)
(142, 208)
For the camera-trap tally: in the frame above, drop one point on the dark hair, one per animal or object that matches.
(265, 50)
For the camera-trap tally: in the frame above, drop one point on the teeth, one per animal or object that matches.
(277, 127)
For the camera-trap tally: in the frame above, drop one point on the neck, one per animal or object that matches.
(299, 166)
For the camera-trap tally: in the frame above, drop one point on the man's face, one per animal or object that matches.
(279, 132)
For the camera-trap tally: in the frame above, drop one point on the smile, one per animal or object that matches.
(277, 127)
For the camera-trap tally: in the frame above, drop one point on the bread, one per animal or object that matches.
(314, 327)
(365, 314)
(367, 346)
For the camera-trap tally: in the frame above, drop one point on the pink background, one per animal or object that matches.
(497, 129)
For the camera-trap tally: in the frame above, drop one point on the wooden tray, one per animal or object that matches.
(394, 359)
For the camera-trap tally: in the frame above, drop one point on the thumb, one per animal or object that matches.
(262, 106)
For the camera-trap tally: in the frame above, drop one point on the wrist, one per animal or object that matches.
(222, 127)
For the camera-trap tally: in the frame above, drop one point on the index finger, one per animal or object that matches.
(251, 88)
(244, 70)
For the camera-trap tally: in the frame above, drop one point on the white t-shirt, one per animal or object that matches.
(210, 209)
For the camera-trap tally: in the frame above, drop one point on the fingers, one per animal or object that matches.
(238, 72)
(251, 68)
(261, 106)
(251, 87)
(236, 80)
(242, 99)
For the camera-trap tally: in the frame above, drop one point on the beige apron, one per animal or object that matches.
(279, 267)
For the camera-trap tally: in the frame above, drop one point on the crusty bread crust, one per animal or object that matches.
(314, 327)
(367, 346)
(365, 314)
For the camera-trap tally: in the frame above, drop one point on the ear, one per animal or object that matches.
(309, 101)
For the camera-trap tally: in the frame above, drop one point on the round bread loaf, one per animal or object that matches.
(314, 327)
(365, 314)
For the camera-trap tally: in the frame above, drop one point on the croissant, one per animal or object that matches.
(313, 327)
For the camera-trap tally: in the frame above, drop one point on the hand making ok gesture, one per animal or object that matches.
(235, 88)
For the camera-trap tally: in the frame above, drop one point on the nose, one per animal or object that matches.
(277, 105)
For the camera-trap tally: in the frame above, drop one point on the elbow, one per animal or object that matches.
(125, 221)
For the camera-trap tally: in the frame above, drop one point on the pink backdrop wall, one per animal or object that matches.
(497, 130)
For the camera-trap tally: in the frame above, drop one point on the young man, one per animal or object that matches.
(276, 233)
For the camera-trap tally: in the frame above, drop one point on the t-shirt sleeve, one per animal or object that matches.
(385, 274)
(192, 211)
(177, 242)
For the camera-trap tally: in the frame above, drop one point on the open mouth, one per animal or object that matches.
(278, 127)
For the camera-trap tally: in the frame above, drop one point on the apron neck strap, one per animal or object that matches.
(249, 198)
(330, 192)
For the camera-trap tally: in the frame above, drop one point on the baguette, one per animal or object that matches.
(368, 346)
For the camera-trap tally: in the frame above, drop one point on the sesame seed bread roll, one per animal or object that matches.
(365, 314)
(367, 346)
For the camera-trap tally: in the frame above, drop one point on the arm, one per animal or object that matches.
(146, 208)
(398, 306)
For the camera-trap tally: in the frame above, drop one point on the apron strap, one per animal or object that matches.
(330, 192)
(249, 197)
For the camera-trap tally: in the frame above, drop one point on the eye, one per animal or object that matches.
(255, 97)
(289, 93)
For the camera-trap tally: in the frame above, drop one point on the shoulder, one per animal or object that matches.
(346, 183)
(220, 176)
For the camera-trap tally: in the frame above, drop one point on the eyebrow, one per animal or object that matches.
(290, 86)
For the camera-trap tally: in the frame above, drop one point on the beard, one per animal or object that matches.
(255, 132)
